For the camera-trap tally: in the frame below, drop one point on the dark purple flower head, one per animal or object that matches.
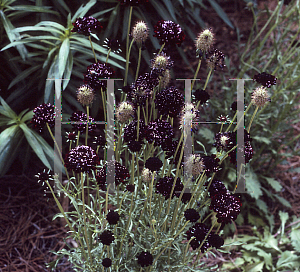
(107, 237)
(81, 117)
(169, 32)
(132, 2)
(192, 215)
(96, 72)
(121, 172)
(198, 231)
(227, 207)
(216, 187)
(112, 217)
(215, 59)
(265, 79)
(81, 159)
(159, 131)
(113, 44)
(130, 131)
(164, 187)
(135, 146)
(142, 89)
(43, 114)
(211, 164)
(145, 259)
(153, 164)
(169, 102)
(130, 188)
(202, 96)
(87, 25)
(106, 262)
(215, 240)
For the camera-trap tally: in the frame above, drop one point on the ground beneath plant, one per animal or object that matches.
(27, 232)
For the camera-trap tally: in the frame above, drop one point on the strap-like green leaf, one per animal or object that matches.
(35, 144)
(63, 57)
(13, 36)
(83, 10)
(10, 139)
(6, 110)
(220, 12)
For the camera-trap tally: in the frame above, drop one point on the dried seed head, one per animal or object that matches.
(204, 41)
(124, 112)
(165, 79)
(195, 165)
(189, 115)
(260, 97)
(140, 32)
(147, 175)
(85, 95)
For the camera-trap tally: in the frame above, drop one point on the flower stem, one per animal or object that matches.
(93, 49)
(107, 55)
(252, 118)
(139, 63)
(162, 47)
(207, 79)
(127, 45)
(196, 73)
(87, 124)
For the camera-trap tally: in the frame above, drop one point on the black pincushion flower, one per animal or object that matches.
(107, 237)
(141, 90)
(130, 131)
(130, 188)
(153, 164)
(43, 114)
(87, 25)
(227, 207)
(165, 184)
(79, 116)
(101, 179)
(192, 215)
(169, 102)
(211, 164)
(159, 131)
(198, 231)
(96, 72)
(215, 60)
(216, 187)
(265, 79)
(202, 96)
(132, 2)
(106, 262)
(215, 240)
(145, 259)
(169, 32)
(81, 159)
(112, 217)
(135, 146)
(186, 197)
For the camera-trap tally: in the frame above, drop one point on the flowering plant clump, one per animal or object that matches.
(141, 206)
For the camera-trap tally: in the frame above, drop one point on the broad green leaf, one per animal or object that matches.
(252, 184)
(283, 201)
(285, 258)
(161, 10)
(68, 71)
(170, 8)
(274, 183)
(220, 12)
(102, 12)
(258, 266)
(36, 146)
(207, 134)
(295, 238)
(262, 139)
(31, 8)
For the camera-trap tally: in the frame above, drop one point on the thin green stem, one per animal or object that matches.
(196, 73)
(139, 63)
(127, 45)
(93, 49)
